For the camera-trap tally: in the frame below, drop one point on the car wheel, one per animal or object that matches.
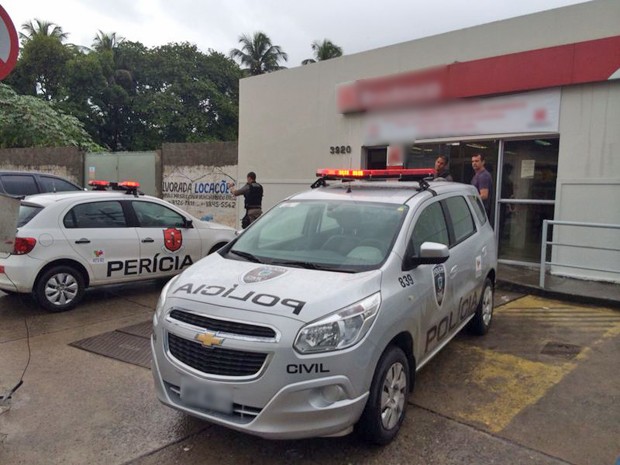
(481, 322)
(59, 289)
(387, 403)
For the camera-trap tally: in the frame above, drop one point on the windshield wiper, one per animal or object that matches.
(248, 256)
(307, 265)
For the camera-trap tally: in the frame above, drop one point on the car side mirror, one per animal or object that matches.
(431, 253)
(187, 223)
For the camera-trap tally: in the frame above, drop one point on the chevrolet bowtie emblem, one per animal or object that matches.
(209, 339)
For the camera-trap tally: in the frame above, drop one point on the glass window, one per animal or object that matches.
(478, 208)
(26, 213)
(53, 184)
(521, 231)
(460, 217)
(326, 234)
(19, 184)
(430, 227)
(530, 169)
(96, 215)
(154, 215)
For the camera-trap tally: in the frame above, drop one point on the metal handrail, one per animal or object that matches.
(545, 243)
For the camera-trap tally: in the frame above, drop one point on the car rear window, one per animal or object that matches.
(26, 213)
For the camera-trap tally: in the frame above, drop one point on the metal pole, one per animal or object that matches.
(543, 255)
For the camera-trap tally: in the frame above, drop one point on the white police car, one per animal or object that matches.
(316, 318)
(66, 242)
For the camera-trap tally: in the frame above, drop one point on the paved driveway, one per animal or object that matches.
(543, 387)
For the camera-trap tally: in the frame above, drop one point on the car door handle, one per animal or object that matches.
(82, 241)
(148, 239)
(454, 270)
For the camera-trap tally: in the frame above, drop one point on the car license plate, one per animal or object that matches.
(207, 396)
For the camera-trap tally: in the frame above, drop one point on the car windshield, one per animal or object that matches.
(322, 234)
(26, 213)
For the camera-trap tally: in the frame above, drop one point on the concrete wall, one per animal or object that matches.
(195, 177)
(192, 176)
(67, 162)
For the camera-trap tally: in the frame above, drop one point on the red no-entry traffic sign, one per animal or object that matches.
(9, 45)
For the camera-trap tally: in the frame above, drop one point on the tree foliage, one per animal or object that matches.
(125, 95)
(27, 121)
(258, 54)
(324, 50)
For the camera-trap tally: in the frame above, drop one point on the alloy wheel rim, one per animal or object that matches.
(61, 289)
(393, 396)
(487, 306)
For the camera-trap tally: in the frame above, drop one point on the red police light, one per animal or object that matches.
(99, 185)
(400, 173)
(129, 184)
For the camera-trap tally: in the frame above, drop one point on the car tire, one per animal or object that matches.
(387, 402)
(59, 289)
(481, 322)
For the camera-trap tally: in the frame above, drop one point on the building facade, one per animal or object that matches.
(537, 95)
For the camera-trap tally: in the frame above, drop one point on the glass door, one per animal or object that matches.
(527, 196)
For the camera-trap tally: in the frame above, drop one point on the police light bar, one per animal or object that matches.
(412, 174)
(99, 185)
(129, 184)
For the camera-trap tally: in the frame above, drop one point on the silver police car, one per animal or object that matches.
(314, 320)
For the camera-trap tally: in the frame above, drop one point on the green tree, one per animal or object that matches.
(39, 28)
(41, 64)
(258, 54)
(322, 51)
(27, 121)
(184, 95)
(105, 41)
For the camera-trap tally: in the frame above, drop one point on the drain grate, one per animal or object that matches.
(561, 349)
(144, 329)
(130, 344)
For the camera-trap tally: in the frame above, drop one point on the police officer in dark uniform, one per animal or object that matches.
(253, 193)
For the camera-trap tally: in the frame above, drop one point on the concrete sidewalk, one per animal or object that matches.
(526, 280)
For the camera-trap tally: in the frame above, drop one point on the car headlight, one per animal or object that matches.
(339, 330)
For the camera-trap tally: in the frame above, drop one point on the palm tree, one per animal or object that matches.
(323, 51)
(258, 54)
(39, 28)
(105, 41)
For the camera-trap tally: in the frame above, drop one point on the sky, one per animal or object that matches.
(354, 25)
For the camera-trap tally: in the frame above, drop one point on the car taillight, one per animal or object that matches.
(24, 245)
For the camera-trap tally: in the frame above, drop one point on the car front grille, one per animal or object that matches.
(215, 360)
(230, 327)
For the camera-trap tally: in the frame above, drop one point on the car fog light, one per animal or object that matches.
(327, 395)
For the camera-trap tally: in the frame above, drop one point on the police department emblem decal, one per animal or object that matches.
(263, 273)
(173, 239)
(439, 279)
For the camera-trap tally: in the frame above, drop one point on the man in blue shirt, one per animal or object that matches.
(482, 180)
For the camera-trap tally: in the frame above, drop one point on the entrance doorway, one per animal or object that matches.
(524, 174)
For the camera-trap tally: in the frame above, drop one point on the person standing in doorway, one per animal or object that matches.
(482, 180)
(441, 168)
(253, 194)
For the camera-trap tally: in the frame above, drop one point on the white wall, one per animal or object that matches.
(588, 187)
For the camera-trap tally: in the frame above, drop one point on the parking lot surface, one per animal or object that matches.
(543, 387)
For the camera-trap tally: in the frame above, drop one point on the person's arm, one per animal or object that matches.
(237, 192)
